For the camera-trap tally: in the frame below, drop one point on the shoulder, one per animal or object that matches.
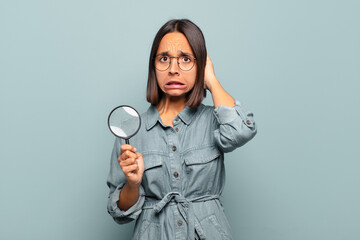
(204, 110)
(204, 115)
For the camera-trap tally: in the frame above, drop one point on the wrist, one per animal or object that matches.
(133, 186)
(212, 83)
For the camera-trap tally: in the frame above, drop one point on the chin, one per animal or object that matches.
(176, 94)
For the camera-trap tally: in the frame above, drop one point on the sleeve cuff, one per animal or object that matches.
(225, 114)
(132, 213)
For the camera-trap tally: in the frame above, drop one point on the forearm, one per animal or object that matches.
(219, 95)
(128, 196)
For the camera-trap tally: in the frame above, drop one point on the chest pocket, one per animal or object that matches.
(153, 177)
(203, 169)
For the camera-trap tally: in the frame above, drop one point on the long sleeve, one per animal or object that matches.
(236, 126)
(115, 181)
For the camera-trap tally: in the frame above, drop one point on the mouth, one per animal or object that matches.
(175, 85)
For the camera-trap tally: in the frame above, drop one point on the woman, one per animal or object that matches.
(171, 177)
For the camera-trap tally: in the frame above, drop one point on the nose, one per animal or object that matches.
(174, 66)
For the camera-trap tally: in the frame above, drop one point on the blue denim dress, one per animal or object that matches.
(184, 172)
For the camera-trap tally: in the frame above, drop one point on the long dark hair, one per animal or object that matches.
(197, 43)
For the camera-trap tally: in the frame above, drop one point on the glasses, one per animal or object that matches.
(185, 63)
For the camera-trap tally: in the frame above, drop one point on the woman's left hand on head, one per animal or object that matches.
(209, 76)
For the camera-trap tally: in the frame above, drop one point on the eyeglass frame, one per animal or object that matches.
(176, 61)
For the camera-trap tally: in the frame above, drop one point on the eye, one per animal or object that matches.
(164, 59)
(186, 59)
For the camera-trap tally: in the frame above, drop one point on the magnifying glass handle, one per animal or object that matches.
(127, 141)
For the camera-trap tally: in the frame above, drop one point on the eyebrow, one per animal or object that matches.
(181, 53)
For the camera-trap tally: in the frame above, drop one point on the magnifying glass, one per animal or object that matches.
(124, 122)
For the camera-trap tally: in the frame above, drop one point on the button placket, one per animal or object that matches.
(176, 124)
(174, 168)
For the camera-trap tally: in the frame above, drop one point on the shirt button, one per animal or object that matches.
(176, 174)
(179, 223)
(248, 122)
(174, 148)
(176, 129)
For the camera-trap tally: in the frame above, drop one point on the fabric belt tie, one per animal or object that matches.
(185, 208)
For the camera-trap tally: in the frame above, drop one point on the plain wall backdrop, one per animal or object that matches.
(65, 64)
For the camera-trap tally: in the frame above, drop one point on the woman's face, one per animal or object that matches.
(174, 81)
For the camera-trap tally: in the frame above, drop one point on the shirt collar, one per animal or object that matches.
(187, 114)
(152, 116)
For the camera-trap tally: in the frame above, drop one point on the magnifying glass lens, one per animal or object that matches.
(124, 122)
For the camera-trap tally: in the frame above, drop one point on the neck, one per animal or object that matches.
(171, 105)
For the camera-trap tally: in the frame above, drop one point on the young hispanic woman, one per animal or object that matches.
(170, 179)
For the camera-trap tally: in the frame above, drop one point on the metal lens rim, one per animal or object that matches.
(179, 65)
(125, 138)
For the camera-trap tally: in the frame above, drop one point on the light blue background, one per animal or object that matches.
(65, 64)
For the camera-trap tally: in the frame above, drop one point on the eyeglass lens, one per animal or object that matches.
(185, 63)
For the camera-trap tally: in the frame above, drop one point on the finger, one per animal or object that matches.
(128, 162)
(125, 155)
(128, 154)
(128, 147)
(130, 169)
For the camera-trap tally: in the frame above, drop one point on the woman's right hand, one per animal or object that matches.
(132, 164)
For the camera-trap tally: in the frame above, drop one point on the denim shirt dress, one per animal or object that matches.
(184, 172)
